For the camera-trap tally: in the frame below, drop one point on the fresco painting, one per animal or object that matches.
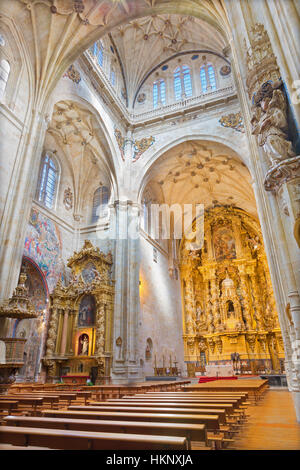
(43, 245)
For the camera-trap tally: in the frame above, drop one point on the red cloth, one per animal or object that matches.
(203, 380)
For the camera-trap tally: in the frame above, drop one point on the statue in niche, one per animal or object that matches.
(270, 125)
(83, 345)
(230, 309)
(87, 308)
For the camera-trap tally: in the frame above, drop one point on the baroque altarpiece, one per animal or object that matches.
(228, 300)
(79, 342)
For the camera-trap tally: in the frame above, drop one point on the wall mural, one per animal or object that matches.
(43, 245)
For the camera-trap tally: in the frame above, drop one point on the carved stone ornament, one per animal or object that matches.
(68, 199)
(121, 142)
(281, 173)
(261, 61)
(270, 125)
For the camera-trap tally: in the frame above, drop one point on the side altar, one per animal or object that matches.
(79, 342)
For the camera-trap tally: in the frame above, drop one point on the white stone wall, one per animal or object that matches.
(160, 315)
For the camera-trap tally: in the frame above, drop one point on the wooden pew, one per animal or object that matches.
(145, 409)
(87, 440)
(66, 397)
(211, 421)
(238, 401)
(8, 405)
(165, 402)
(51, 400)
(192, 432)
(134, 403)
(234, 402)
(28, 404)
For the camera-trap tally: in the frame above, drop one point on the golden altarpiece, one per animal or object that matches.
(228, 300)
(79, 342)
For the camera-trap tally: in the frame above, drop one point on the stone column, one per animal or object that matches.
(19, 200)
(125, 223)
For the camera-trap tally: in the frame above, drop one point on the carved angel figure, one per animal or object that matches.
(270, 125)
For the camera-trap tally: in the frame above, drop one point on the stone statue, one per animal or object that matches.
(270, 125)
(85, 346)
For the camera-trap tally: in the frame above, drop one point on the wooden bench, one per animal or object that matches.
(87, 440)
(209, 399)
(235, 403)
(8, 405)
(28, 404)
(171, 403)
(51, 400)
(143, 409)
(192, 432)
(211, 421)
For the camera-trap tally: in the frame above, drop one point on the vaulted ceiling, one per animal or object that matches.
(202, 172)
(144, 43)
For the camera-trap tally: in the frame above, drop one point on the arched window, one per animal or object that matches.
(97, 51)
(159, 93)
(47, 182)
(182, 82)
(203, 79)
(4, 74)
(212, 77)
(112, 76)
(208, 78)
(100, 203)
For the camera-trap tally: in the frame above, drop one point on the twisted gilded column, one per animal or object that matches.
(246, 297)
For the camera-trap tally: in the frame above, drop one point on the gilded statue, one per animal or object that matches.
(270, 125)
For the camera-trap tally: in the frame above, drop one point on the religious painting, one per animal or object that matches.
(88, 273)
(87, 311)
(43, 244)
(224, 244)
(83, 345)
